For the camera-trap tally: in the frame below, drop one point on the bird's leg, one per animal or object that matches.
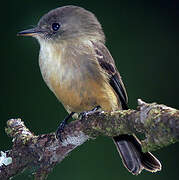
(86, 113)
(62, 125)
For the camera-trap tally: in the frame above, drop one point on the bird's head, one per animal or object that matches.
(65, 23)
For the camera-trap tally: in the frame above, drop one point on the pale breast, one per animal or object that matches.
(75, 78)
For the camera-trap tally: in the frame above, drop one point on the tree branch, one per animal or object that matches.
(159, 124)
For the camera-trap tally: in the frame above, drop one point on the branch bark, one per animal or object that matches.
(159, 124)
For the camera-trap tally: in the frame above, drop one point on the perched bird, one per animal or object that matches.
(80, 71)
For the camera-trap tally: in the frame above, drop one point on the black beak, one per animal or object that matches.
(29, 32)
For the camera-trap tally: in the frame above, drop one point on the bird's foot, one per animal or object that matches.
(86, 113)
(61, 127)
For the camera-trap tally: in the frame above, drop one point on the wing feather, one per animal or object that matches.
(107, 63)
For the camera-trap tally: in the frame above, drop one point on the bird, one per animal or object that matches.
(79, 69)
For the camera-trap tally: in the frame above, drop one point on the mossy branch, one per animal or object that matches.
(159, 124)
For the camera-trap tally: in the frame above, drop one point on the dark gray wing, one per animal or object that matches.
(108, 65)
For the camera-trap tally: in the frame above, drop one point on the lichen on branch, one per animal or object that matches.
(158, 123)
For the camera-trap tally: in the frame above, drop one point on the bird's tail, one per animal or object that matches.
(133, 158)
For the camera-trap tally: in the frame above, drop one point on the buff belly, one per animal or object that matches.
(76, 80)
(77, 96)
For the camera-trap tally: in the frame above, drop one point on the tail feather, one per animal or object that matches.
(150, 162)
(132, 156)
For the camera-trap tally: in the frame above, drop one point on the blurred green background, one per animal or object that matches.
(143, 38)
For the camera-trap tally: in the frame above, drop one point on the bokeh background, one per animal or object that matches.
(143, 38)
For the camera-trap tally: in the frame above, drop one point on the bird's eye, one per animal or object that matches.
(55, 26)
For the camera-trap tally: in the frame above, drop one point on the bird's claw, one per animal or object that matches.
(84, 114)
(60, 130)
(61, 127)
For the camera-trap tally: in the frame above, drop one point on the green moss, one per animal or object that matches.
(25, 139)
(160, 136)
(97, 128)
(8, 131)
(108, 129)
(153, 115)
(149, 146)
